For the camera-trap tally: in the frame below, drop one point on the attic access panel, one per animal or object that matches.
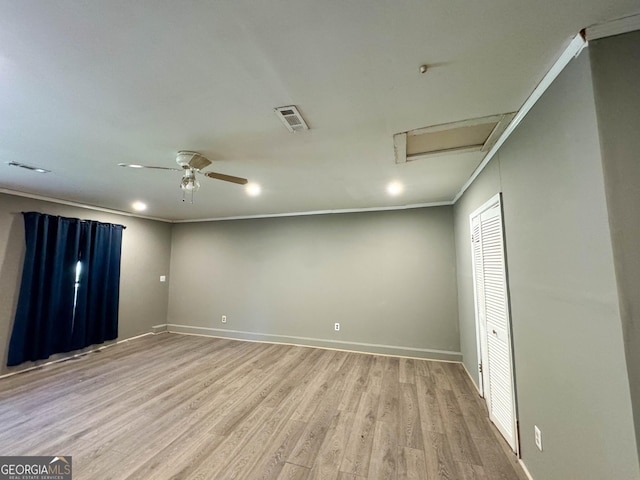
(478, 134)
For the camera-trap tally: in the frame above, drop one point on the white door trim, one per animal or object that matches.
(492, 209)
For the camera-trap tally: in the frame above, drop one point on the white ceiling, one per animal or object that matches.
(87, 85)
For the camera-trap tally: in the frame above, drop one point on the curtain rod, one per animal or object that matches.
(124, 227)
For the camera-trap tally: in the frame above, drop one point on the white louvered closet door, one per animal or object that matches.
(478, 285)
(492, 309)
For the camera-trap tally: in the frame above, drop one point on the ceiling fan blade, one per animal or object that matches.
(135, 165)
(226, 178)
(199, 162)
(188, 159)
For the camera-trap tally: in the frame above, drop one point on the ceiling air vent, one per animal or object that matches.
(475, 135)
(28, 167)
(291, 118)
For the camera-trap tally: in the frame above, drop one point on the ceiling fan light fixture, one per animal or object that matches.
(191, 163)
(189, 183)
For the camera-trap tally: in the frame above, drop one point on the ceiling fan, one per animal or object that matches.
(191, 163)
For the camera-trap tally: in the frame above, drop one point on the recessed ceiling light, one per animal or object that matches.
(395, 188)
(139, 206)
(253, 189)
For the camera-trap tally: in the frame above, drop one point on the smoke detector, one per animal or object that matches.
(291, 118)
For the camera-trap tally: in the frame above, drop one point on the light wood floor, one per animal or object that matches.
(184, 407)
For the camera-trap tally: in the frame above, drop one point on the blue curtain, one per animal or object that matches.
(96, 315)
(48, 320)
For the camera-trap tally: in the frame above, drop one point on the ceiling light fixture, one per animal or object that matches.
(395, 189)
(189, 184)
(253, 189)
(28, 167)
(190, 164)
(139, 206)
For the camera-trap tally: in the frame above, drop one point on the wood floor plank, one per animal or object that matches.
(342, 375)
(439, 375)
(410, 425)
(438, 458)
(186, 407)
(430, 414)
(295, 378)
(422, 368)
(472, 472)
(498, 461)
(462, 445)
(349, 476)
(185, 451)
(389, 406)
(358, 451)
(273, 460)
(327, 464)
(275, 427)
(411, 464)
(476, 418)
(320, 384)
(96, 464)
(407, 370)
(308, 446)
(293, 472)
(384, 462)
(215, 464)
(355, 383)
(244, 402)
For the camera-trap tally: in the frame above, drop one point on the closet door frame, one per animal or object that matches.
(484, 373)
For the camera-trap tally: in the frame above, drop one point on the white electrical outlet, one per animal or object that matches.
(538, 437)
(336, 327)
(163, 278)
(224, 319)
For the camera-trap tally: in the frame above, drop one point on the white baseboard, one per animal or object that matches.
(524, 467)
(526, 471)
(159, 328)
(66, 356)
(395, 350)
(472, 379)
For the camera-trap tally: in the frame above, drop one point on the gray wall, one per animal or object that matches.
(387, 277)
(481, 190)
(616, 78)
(146, 248)
(571, 377)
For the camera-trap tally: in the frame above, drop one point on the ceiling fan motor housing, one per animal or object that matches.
(192, 160)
